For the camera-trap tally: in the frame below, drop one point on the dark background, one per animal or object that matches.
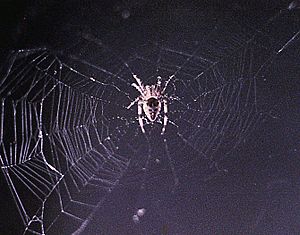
(260, 192)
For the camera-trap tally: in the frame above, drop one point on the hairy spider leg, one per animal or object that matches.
(165, 104)
(133, 102)
(139, 82)
(140, 89)
(158, 83)
(166, 84)
(140, 114)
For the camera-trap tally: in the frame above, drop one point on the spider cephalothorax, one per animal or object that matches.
(151, 101)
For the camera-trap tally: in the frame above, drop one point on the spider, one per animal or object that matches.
(151, 101)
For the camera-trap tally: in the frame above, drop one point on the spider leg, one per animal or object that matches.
(159, 81)
(133, 102)
(140, 115)
(165, 106)
(137, 80)
(140, 89)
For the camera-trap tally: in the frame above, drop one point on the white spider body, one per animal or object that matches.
(152, 101)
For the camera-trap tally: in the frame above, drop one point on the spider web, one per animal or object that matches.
(67, 139)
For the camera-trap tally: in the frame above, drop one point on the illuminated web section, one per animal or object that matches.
(67, 137)
(58, 161)
(214, 98)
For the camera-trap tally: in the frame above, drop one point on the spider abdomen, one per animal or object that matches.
(152, 108)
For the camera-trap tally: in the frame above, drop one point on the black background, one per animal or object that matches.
(260, 192)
